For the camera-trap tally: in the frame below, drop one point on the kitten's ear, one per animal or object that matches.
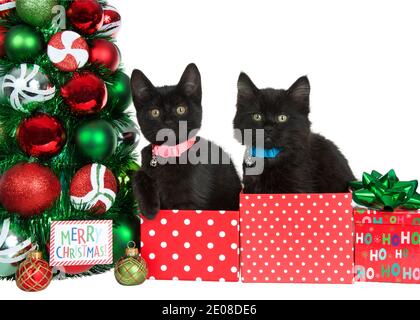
(300, 91)
(141, 87)
(190, 83)
(246, 88)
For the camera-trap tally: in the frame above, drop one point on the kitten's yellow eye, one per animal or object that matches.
(155, 113)
(181, 110)
(283, 118)
(257, 117)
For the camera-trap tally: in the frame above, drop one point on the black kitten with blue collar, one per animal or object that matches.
(179, 184)
(295, 159)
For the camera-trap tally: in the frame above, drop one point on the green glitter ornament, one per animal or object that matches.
(96, 140)
(38, 13)
(131, 270)
(119, 91)
(23, 43)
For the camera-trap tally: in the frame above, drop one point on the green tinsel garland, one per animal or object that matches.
(66, 164)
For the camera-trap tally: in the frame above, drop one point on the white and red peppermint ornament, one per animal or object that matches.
(94, 189)
(112, 22)
(68, 51)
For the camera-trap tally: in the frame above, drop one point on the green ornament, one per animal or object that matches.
(131, 270)
(125, 176)
(96, 140)
(23, 43)
(119, 91)
(126, 229)
(38, 13)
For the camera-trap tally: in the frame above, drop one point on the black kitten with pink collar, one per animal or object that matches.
(186, 172)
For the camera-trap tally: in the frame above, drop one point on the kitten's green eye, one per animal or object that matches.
(257, 117)
(181, 110)
(155, 113)
(283, 118)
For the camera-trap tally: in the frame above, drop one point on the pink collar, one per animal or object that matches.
(166, 152)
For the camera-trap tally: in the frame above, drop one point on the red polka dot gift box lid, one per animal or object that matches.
(192, 245)
(304, 238)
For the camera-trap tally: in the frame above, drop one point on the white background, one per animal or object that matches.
(362, 57)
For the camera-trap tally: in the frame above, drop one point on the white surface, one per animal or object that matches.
(362, 57)
(105, 287)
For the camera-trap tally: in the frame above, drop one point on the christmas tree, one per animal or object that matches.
(65, 152)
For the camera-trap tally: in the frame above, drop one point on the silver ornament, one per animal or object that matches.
(13, 250)
(154, 162)
(248, 159)
(26, 84)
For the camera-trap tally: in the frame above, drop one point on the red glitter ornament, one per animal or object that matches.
(6, 6)
(87, 16)
(85, 93)
(3, 32)
(105, 53)
(34, 274)
(41, 136)
(94, 189)
(28, 189)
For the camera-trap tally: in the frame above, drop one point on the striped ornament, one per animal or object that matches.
(26, 84)
(15, 254)
(112, 22)
(6, 6)
(93, 189)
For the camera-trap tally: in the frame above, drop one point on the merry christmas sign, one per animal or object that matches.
(387, 246)
(81, 243)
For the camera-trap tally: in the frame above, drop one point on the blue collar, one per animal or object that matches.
(266, 153)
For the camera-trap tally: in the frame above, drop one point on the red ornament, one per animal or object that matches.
(112, 22)
(86, 16)
(105, 53)
(41, 136)
(3, 32)
(29, 189)
(34, 274)
(85, 93)
(75, 270)
(68, 51)
(93, 189)
(6, 6)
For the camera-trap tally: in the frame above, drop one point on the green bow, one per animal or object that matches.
(386, 192)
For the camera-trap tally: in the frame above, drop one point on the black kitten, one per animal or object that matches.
(202, 186)
(296, 160)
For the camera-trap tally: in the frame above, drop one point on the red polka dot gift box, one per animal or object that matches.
(304, 238)
(192, 245)
(387, 246)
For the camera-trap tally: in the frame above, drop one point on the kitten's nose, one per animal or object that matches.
(268, 131)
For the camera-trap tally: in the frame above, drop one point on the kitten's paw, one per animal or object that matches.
(146, 194)
(150, 213)
(249, 190)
